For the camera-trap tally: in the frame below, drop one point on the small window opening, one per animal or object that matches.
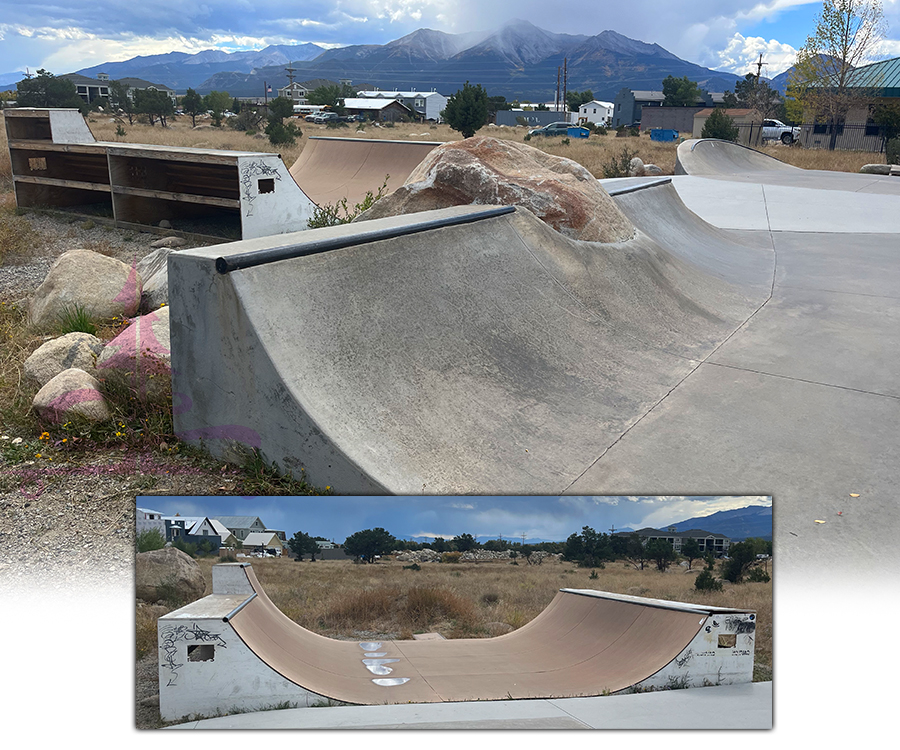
(38, 164)
(267, 185)
(728, 640)
(205, 652)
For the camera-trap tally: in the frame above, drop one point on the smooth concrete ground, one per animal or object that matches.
(747, 706)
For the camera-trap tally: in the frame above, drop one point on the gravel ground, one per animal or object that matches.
(75, 523)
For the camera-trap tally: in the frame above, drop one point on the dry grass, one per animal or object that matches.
(343, 600)
(817, 158)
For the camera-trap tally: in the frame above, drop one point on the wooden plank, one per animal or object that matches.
(100, 187)
(150, 229)
(75, 148)
(167, 153)
(181, 197)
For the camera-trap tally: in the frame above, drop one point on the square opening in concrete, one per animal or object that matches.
(205, 652)
(266, 185)
(727, 640)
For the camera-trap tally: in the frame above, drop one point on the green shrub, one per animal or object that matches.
(719, 125)
(149, 540)
(617, 166)
(328, 215)
(758, 575)
(706, 581)
(892, 151)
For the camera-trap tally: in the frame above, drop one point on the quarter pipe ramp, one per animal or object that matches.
(584, 643)
(330, 169)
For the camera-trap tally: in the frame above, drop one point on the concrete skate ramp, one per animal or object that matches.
(584, 643)
(330, 169)
(710, 156)
(724, 160)
(495, 356)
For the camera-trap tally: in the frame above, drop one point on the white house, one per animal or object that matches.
(427, 104)
(296, 92)
(150, 519)
(597, 112)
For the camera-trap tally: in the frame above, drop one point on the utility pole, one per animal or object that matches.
(759, 65)
(565, 101)
(557, 88)
(290, 74)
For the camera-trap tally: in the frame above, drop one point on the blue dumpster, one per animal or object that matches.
(662, 134)
(577, 132)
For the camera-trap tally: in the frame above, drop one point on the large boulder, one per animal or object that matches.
(104, 287)
(72, 393)
(875, 169)
(489, 171)
(78, 350)
(139, 358)
(168, 574)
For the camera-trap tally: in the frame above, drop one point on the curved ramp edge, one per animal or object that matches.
(331, 169)
(711, 156)
(585, 643)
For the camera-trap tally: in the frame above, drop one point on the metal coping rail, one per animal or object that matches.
(314, 247)
(625, 189)
(237, 609)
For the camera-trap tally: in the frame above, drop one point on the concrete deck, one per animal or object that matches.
(747, 706)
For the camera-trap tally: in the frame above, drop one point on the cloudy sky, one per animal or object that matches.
(721, 34)
(551, 518)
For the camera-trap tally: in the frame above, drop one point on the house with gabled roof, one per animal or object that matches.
(242, 526)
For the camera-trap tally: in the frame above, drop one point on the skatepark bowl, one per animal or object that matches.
(234, 650)
(745, 339)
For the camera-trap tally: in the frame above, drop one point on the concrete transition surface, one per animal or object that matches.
(499, 357)
(585, 643)
(330, 169)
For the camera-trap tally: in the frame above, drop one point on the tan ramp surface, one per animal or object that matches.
(330, 169)
(585, 643)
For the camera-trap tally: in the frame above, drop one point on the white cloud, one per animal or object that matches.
(741, 54)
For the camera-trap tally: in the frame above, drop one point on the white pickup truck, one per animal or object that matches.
(775, 130)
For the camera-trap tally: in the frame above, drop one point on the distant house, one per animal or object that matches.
(629, 104)
(90, 89)
(718, 544)
(139, 84)
(296, 92)
(193, 530)
(381, 110)
(264, 541)
(597, 112)
(241, 526)
(148, 520)
(428, 105)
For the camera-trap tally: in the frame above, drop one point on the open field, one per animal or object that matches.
(466, 600)
(340, 599)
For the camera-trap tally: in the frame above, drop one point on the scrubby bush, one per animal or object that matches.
(150, 540)
(892, 151)
(706, 581)
(719, 125)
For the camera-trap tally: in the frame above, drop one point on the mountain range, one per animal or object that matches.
(518, 61)
(737, 524)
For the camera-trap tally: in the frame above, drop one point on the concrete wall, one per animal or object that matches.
(720, 654)
(271, 202)
(669, 118)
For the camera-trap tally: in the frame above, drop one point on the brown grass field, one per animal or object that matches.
(593, 152)
(463, 600)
